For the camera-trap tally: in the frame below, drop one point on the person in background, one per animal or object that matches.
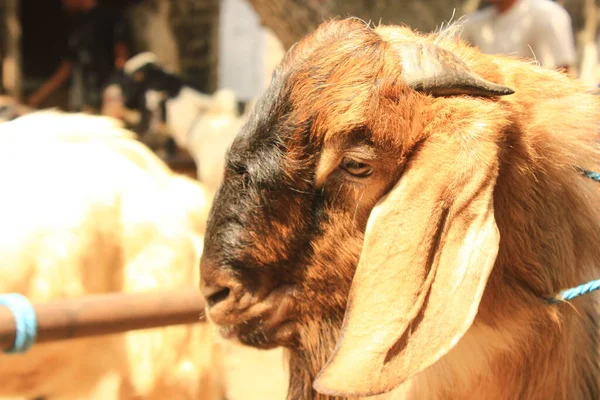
(534, 29)
(97, 45)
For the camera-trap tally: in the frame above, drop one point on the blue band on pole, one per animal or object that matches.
(25, 321)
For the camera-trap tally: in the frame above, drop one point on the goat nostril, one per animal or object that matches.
(217, 297)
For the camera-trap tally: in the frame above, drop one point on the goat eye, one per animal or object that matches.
(356, 168)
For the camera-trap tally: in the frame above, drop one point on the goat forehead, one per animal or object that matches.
(260, 130)
(312, 97)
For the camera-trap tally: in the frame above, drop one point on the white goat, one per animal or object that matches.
(53, 124)
(212, 135)
(92, 211)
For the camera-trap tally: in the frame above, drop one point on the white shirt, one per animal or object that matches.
(533, 29)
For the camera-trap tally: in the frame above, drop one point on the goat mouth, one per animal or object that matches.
(265, 324)
(256, 334)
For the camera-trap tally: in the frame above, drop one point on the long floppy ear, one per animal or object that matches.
(429, 248)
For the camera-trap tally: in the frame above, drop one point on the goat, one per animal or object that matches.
(395, 211)
(201, 124)
(146, 86)
(83, 213)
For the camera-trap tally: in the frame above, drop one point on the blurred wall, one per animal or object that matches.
(242, 49)
(195, 24)
(152, 32)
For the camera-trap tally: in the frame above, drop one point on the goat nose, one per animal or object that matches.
(221, 292)
(214, 294)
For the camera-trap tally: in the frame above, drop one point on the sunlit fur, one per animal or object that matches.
(273, 226)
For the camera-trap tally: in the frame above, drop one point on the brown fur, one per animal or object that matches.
(343, 79)
(539, 151)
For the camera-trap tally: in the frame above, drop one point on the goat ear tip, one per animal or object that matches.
(327, 381)
(341, 377)
(327, 384)
(322, 386)
(341, 385)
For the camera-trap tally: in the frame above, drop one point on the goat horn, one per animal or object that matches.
(431, 69)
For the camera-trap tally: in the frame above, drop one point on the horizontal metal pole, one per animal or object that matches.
(105, 314)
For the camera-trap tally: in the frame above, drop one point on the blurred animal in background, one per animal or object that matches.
(86, 209)
(212, 135)
(113, 104)
(136, 118)
(201, 124)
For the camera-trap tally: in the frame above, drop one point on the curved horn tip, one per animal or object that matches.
(504, 90)
(432, 69)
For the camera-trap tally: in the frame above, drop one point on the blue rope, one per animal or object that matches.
(585, 288)
(25, 321)
(577, 291)
(590, 174)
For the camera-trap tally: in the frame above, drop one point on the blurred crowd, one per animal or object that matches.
(99, 44)
(533, 29)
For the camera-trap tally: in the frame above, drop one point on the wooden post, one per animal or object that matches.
(105, 314)
(242, 43)
(11, 63)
